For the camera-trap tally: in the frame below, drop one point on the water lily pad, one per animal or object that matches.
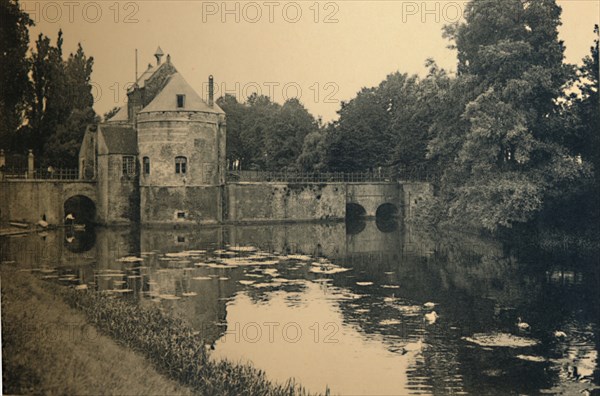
(261, 285)
(530, 358)
(501, 340)
(242, 249)
(388, 322)
(221, 266)
(130, 259)
(328, 270)
(169, 297)
(300, 257)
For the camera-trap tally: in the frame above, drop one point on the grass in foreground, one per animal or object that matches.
(48, 348)
(173, 347)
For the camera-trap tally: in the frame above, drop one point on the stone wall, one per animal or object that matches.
(29, 201)
(413, 194)
(372, 195)
(119, 200)
(263, 202)
(197, 136)
(200, 138)
(181, 205)
(118, 194)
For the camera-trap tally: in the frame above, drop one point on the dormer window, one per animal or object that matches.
(180, 101)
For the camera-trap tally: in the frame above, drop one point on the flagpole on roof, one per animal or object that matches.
(136, 66)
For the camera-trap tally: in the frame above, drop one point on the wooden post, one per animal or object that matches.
(30, 165)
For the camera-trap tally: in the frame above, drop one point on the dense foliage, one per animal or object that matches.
(262, 134)
(511, 137)
(45, 101)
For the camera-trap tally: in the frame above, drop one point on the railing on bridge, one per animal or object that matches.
(328, 177)
(39, 174)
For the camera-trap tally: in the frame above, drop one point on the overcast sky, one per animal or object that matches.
(323, 52)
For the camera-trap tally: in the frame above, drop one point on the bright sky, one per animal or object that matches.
(322, 52)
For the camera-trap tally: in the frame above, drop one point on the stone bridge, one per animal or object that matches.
(280, 201)
(242, 202)
(29, 201)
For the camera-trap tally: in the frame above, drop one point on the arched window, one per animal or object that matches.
(146, 164)
(180, 165)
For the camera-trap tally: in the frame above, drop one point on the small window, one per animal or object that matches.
(181, 215)
(180, 239)
(180, 165)
(146, 162)
(180, 101)
(128, 165)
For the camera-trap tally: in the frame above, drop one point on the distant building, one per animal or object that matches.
(161, 158)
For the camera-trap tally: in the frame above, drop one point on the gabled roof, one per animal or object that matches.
(119, 116)
(119, 139)
(149, 72)
(166, 100)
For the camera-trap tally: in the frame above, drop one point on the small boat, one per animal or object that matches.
(79, 227)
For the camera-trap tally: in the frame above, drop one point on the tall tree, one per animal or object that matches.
(587, 109)
(62, 147)
(359, 139)
(508, 161)
(285, 138)
(235, 117)
(49, 104)
(62, 102)
(14, 68)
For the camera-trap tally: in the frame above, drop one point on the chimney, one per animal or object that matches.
(210, 91)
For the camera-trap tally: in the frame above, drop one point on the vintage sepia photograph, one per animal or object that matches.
(309, 197)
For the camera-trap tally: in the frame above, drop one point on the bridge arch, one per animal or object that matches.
(386, 217)
(387, 211)
(81, 207)
(355, 211)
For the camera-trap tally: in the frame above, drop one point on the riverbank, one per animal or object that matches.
(179, 361)
(49, 348)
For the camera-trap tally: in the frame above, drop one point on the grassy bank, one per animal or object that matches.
(48, 348)
(174, 349)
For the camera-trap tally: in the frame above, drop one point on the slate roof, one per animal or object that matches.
(120, 115)
(119, 139)
(146, 74)
(166, 100)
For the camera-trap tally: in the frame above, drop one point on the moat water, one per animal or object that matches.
(351, 307)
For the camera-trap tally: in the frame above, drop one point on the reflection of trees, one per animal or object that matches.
(481, 286)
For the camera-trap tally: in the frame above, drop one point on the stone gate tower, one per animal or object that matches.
(179, 159)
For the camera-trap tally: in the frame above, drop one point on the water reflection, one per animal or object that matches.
(347, 306)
